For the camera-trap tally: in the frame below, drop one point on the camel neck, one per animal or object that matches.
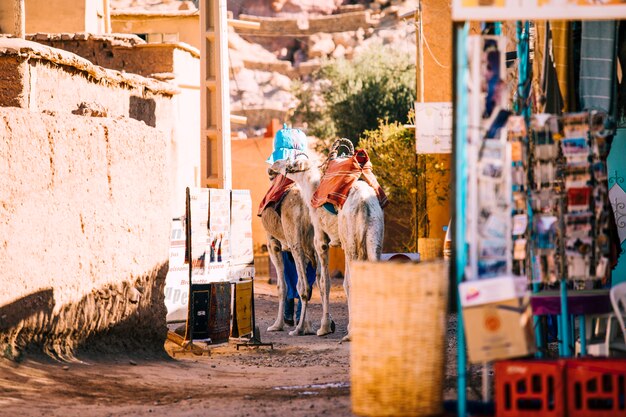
(308, 181)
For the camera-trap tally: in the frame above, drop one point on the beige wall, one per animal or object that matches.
(250, 173)
(438, 32)
(187, 26)
(85, 232)
(180, 119)
(85, 211)
(56, 16)
(186, 134)
(6, 16)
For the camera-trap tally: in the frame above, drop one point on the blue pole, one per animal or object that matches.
(523, 71)
(460, 201)
(583, 335)
(559, 332)
(565, 332)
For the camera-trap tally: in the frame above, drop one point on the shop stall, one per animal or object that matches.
(535, 233)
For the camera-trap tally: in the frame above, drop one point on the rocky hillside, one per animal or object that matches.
(295, 38)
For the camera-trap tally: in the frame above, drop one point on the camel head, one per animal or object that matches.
(289, 167)
(271, 173)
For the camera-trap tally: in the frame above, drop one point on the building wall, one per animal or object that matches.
(85, 232)
(186, 135)
(6, 17)
(56, 16)
(181, 67)
(438, 32)
(186, 25)
(84, 213)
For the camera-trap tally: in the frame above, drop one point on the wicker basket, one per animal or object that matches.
(397, 322)
(430, 248)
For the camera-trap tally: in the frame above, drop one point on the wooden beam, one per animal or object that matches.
(240, 120)
(215, 150)
(244, 24)
(107, 16)
(19, 18)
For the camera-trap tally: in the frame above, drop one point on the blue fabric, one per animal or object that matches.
(597, 65)
(291, 275)
(616, 165)
(287, 143)
(289, 307)
(330, 208)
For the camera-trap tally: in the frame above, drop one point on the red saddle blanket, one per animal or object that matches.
(279, 187)
(339, 177)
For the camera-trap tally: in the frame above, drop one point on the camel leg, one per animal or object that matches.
(321, 246)
(346, 288)
(304, 291)
(277, 259)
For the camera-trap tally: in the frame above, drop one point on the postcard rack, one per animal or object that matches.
(568, 191)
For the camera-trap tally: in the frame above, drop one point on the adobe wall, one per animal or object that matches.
(185, 23)
(39, 85)
(85, 207)
(178, 64)
(343, 22)
(119, 52)
(84, 226)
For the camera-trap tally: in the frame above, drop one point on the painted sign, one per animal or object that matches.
(495, 10)
(433, 127)
(177, 280)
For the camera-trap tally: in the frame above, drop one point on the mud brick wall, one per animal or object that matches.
(84, 232)
(84, 210)
(119, 52)
(50, 80)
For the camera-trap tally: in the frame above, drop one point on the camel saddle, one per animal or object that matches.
(340, 175)
(276, 194)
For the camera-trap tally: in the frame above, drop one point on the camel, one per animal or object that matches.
(291, 230)
(358, 227)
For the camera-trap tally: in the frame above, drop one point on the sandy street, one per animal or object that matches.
(302, 376)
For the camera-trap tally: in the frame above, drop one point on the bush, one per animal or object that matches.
(391, 148)
(349, 97)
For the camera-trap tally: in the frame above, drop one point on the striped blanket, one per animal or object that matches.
(278, 189)
(339, 177)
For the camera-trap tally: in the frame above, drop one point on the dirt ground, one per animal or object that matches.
(301, 376)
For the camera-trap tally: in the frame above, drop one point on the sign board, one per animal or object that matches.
(496, 10)
(177, 280)
(219, 224)
(241, 228)
(199, 207)
(433, 127)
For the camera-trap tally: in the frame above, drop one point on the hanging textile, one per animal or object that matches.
(560, 30)
(539, 48)
(524, 70)
(597, 65)
(552, 93)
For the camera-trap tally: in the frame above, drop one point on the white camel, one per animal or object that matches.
(290, 230)
(358, 227)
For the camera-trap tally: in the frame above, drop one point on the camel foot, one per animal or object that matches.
(276, 327)
(346, 338)
(328, 328)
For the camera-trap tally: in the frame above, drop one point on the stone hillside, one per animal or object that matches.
(295, 38)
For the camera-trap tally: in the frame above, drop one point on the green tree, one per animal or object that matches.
(349, 97)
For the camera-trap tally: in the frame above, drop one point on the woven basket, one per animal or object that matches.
(398, 324)
(430, 248)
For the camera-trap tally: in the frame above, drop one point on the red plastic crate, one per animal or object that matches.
(530, 388)
(596, 387)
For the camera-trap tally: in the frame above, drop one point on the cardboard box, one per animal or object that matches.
(497, 318)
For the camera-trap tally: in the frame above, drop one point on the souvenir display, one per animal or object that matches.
(569, 197)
